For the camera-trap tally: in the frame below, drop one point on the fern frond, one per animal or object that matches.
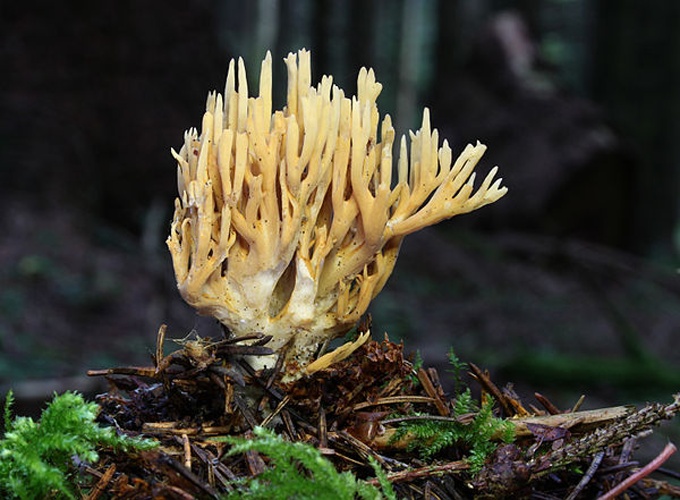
(298, 470)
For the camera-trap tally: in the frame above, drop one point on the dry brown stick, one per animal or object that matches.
(228, 398)
(255, 463)
(218, 380)
(627, 450)
(245, 411)
(594, 465)
(140, 371)
(187, 451)
(220, 471)
(290, 426)
(260, 339)
(492, 389)
(434, 491)
(179, 492)
(276, 411)
(160, 340)
(168, 462)
(203, 460)
(640, 474)
(424, 379)
(102, 483)
(578, 403)
(342, 456)
(276, 373)
(514, 400)
(624, 462)
(428, 471)
(394, 385)
(361, 448)
(394, 400)
(219, 475)
(171, 428)
(323, 430)
(272, 391)
(547, 404)
(461, 419)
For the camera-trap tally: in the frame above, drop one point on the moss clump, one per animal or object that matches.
(432, 436)
(298, 470)
(37, 459)
(474, 434)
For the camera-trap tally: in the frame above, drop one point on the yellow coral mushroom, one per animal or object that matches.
(289, 222)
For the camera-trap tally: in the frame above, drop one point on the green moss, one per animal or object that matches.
(298, 470)
(475, 437)
(37, 458)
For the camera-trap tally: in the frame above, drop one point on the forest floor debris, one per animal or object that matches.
(376, 407)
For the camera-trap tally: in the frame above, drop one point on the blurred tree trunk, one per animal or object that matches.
(458, 22)
(267, 28)
(410, 62)
(637, 78)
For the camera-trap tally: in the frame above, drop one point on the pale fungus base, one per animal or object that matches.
(288, 224)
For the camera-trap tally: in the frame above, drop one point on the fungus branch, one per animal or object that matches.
(287, 222)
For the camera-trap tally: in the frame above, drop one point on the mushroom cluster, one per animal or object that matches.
(289, 222)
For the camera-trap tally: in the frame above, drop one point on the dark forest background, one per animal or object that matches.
(569, 283)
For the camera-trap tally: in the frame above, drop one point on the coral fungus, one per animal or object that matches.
(289, 222)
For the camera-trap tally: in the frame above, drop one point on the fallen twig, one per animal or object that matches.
(641, 474)
(597, 460)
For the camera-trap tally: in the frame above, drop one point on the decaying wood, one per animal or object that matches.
(576, 421)
(102, 484)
